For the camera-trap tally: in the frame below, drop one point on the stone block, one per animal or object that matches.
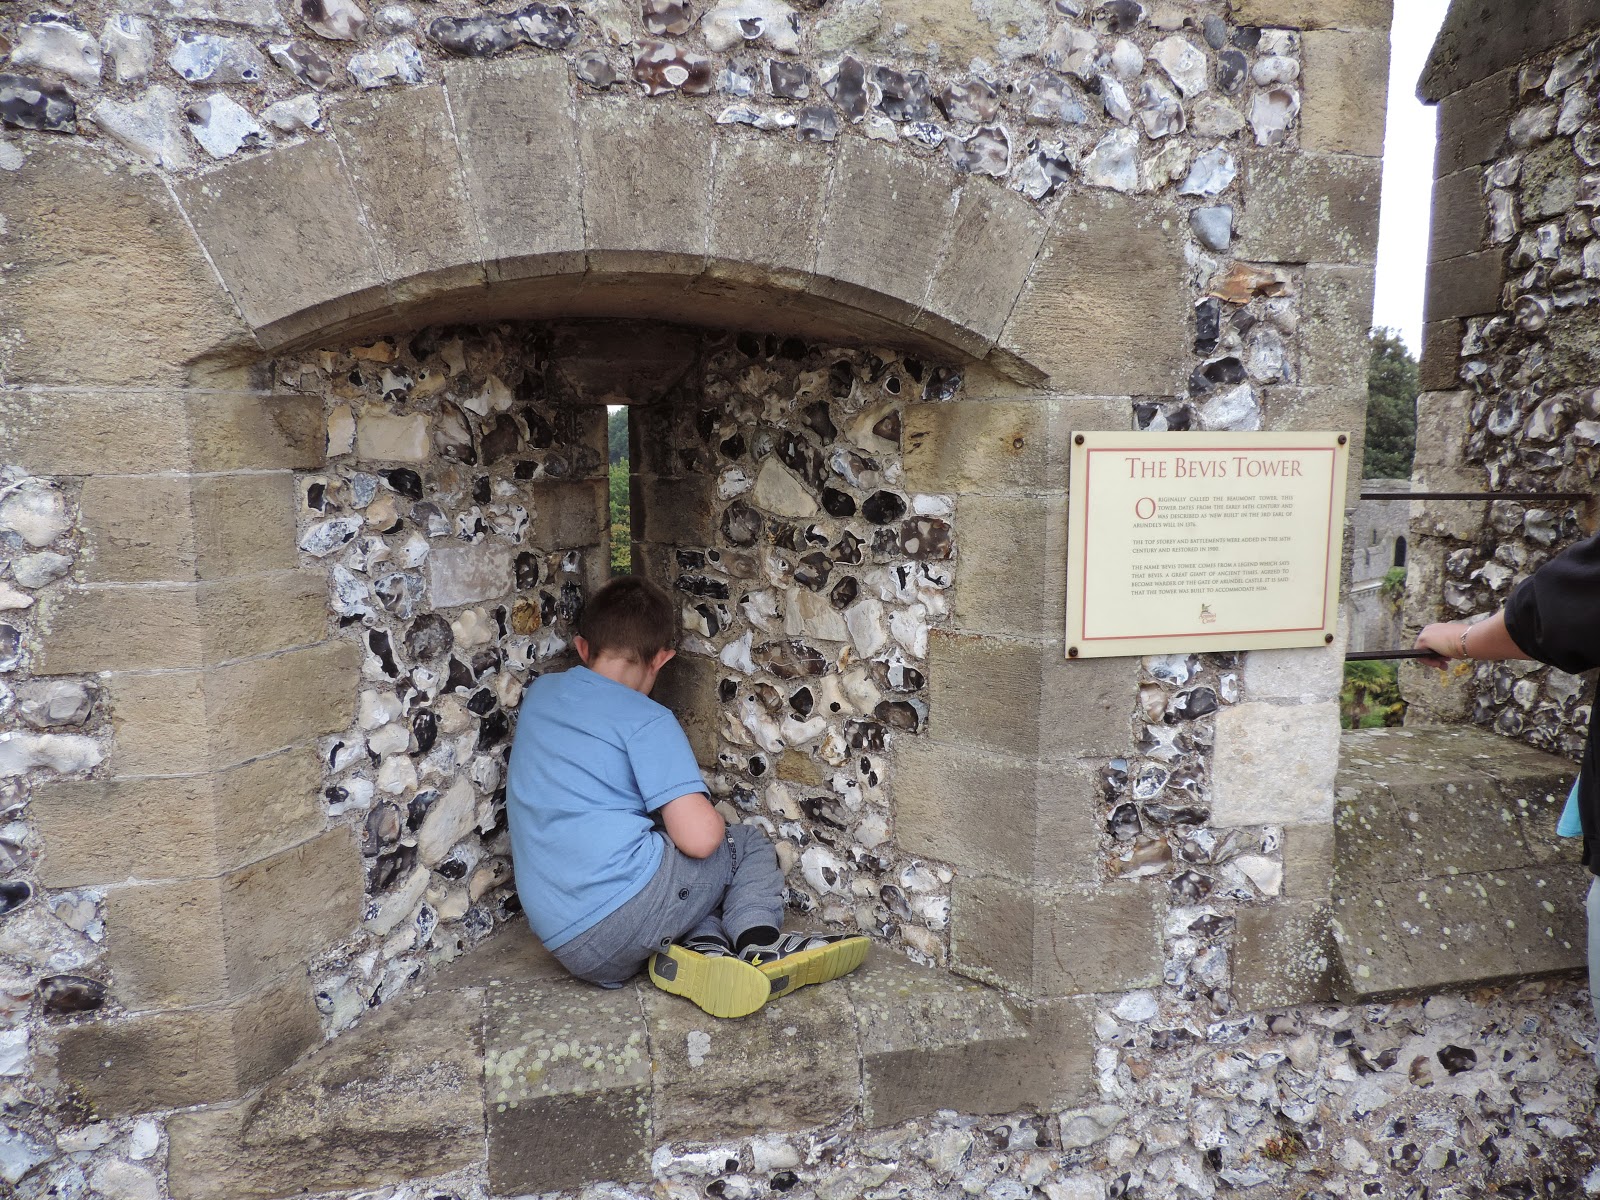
(164, 943)
(399, 1097)
(888, 215)
(382, 438)
(1057, 943)
(163, 1060)
(953, 32)
(1097, 243)
(1274, 765)
(188, 722)
(999, 586)
(556, 1120)
(1473, 123)
(400, 149)
(688, 686)
(1304, 676)
(675, 512)
(1346, 79)
(570, 515)
(512, 957)
(962, 806)
(976, 446)
(779, 1068)
(1460, 216)
(767, 201)
(284, 229)
(1441, 350)
(646, 186)
(1442, 428)
(108, 831)
(519, 152)
(1283, 955)
(1468, 286)
(986, 693)
(993, 243)
(929, 1041)
(1479, 39)
(1308, 862)
(1550, 181)
(1338, 312)
(1062, 1043)
(460, 575)
(1458, 520)
(1308, 208)
(1312, 14)
(84, 302)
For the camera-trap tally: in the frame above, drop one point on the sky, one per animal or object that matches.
(1407, 174)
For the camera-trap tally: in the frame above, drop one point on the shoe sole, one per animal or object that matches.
(723, 986)
(815, 966)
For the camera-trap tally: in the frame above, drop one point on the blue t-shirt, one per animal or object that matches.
(591, 760)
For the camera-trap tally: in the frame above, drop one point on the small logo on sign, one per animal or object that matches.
(1207, 617)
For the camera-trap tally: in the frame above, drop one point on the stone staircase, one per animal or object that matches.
(1447, 868)
(502, 1060)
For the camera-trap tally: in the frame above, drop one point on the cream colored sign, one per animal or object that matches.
(1203, 541)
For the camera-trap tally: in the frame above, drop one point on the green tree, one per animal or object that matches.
(1392, 381)
(617, 435)
(621, 523)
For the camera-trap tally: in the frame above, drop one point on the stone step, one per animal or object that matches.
(502, 1059)
(1447, 868)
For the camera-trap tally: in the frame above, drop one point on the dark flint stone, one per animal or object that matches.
(727, 689)
(63, 995)
(802, 702)
(527, 571)
(911, 679)
(387, 868)
(1180, 418)
(690, 560)
(556, 465)
(848, 549)
(700, 585)
(943, 383)
(481, 703)
(430, 636)
(817, 123)
(715, 623)
(882, 507)
(821, 810)
(815, 535)
(820, 421)
(801, 457)
(657, 62)
(813, 571)
(841, 379)
(1457, 1059)
(425, 728)
(1215, 31)
(1124, 823)
(1169, 816)
(540, 433)
(381, 829)
(1224, 372)
(757, 766)
(791, 660)
(304, 63)
(14, 895)
(1233, 68)
(595, 70)
(844, 593)
(898, 714)
(417, 808)
(1207, 325)
(1211, 925)
(926, 538)
(867, 735)
(905, 97)
(733, 447)
(1247, 37)
(484, 661)
(1189, 705)
(741, 524)
(670, 18)
(405, 481)
(885, 545)
(502, 440)
(788, 81)
(889, 427)
(547, 608)
(10, 646)
(769, 697)
(1121, 16)
(1114, 778)
(783, 535)
(452, 868)
(29, 103)
(480, 490)
(549, 26)
(570, 607)
(749, 345)
(705, 423)
(783, 1181)
(1144, 413)
(459, 677)
(794, 349)
(1191, 887)
(494, 729)
(317, 496)
(380, 645)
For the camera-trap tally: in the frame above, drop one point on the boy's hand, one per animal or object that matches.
(695, 828)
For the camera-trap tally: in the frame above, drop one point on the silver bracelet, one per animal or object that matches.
(1466, 629)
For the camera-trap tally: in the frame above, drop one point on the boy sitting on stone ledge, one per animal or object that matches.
(598, 771)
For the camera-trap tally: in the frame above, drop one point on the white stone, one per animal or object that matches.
(207, 58)
(779, 490)
(1271, 114)
(1184, 65)
(222, 126)
(64, 753)
(1127, 60)
(1115, 99)
(396, 61)
(1274, 68)
(1137, 1007)
(20, 1154)
(1086, 1126)
(374, 709)
(49, 42)
(473, 628)
(1236, 410)
(1212, 174)
(252, 14)
(88, 1138)
(1159, 110)
(868, 632)
(1265, 873)
(1074, 1187)
(47, 703)
(337, 20)
(128, 41)
(11, 157)
(771, 1153)
(1167, 165)
(37, 512)
(148, 126)
(823, 871)
(1214, 118)
(397, 775)
(909, 627)
(460, 575)
(810, 614)
(324, 537)
(13, 598)
(383, 438)
(796, 732)
(1311, 675)
(732, 24)
(736, 655)
(451, 817)
(1274, 765)
(13, 1051)
(395, 18)
(1114, 162)
(299, 114)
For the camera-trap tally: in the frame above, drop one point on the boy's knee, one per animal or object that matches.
(747, 838)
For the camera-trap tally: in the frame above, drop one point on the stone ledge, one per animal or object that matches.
(574, 1085)
(1447, 868)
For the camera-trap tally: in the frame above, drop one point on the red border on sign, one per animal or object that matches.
(1088, 493)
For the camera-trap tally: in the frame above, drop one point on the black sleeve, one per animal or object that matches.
(1554, 614)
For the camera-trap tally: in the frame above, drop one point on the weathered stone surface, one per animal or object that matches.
(767, 202)
(460, 575)
(1308, 852)
(1275, 765)
(1312, 14)
(1337, 312)
(1304, 676)
(1460, 217)
(1000, 537)
(979, 445)
(1283, 956)
(399, 1098)
(1441, 348)
(1472, 124)
(647, 187)
(567, 1075)
(66, 205)
(1480, 39)
(1308, 208)
(1464, 287)
(993, 242)
(107, 831)
(1346, 79)
(680, 512)
(1082, 272)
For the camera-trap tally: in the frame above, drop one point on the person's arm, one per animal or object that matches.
(694, 826)
(1487, 639)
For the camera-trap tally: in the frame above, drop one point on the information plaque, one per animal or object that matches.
(1203, 541)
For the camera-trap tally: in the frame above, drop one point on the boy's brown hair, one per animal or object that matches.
(630, 617)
